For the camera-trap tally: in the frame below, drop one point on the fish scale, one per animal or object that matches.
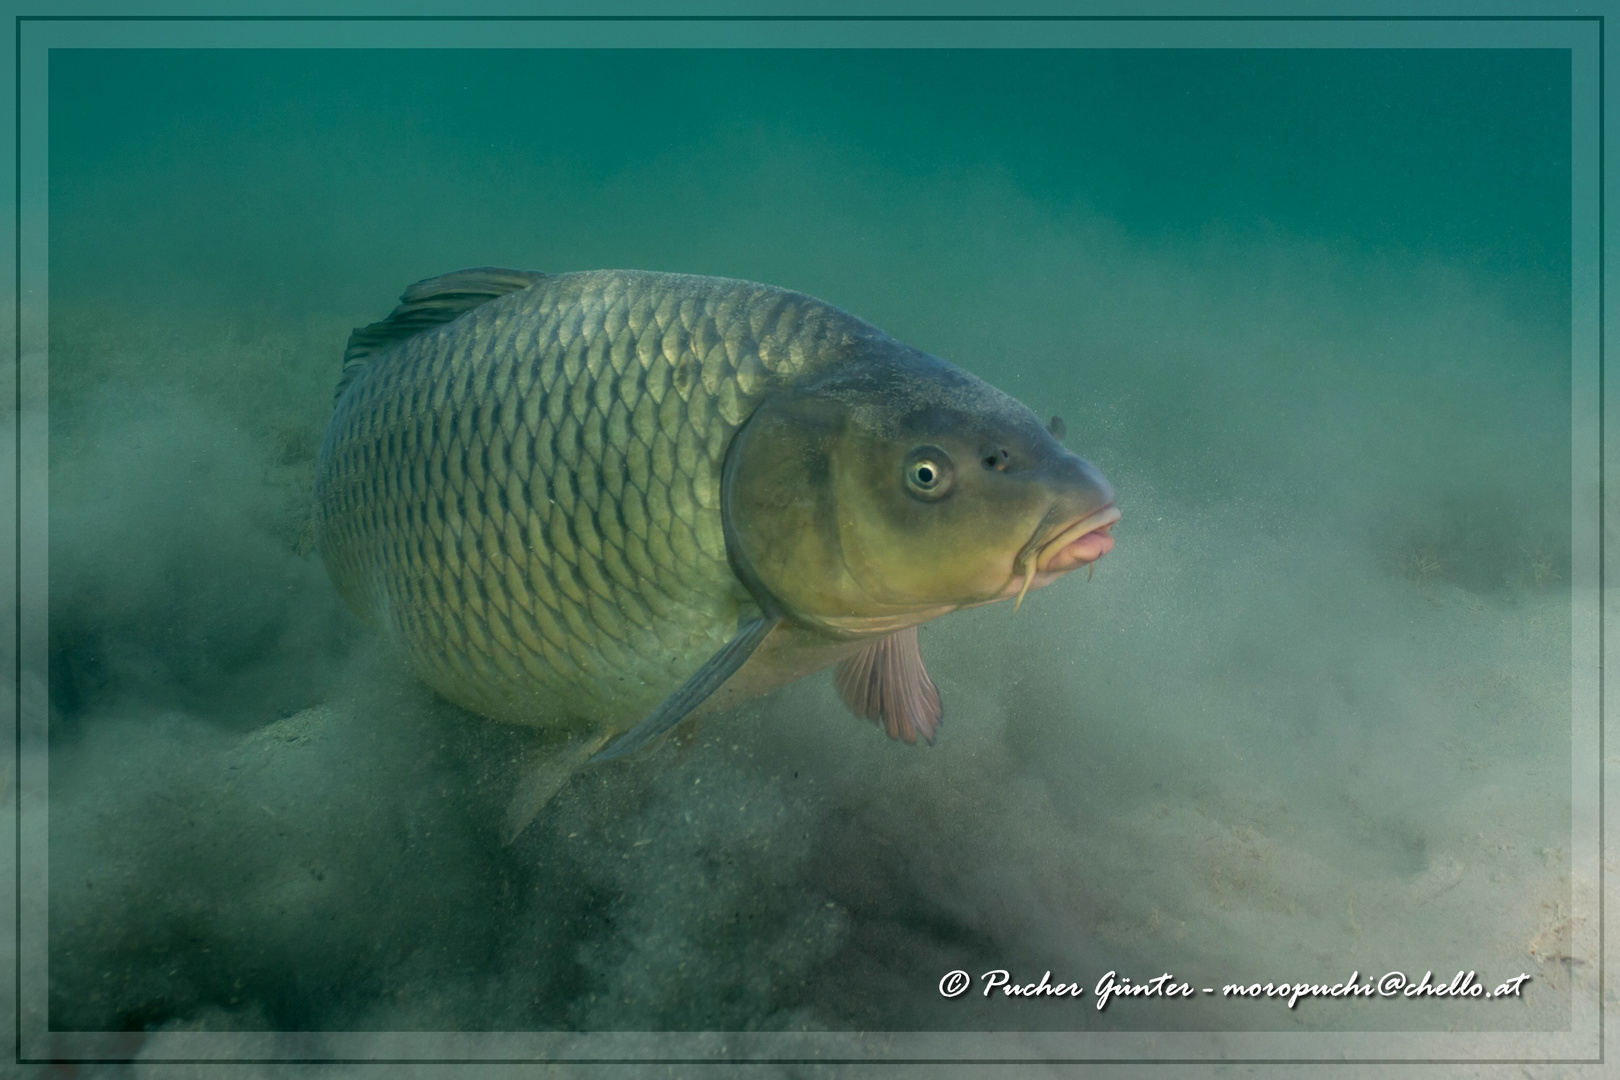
(527, 498)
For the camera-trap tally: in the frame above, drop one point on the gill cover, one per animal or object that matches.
(779, 507)
(783, 491)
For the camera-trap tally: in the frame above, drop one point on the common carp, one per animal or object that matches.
(598, 502)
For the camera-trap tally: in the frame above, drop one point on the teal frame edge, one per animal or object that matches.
(23, 777)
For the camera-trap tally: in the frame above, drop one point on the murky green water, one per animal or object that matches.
(1309, 311)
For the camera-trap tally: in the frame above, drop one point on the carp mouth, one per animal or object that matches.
(1082, 541)
(1086, 540)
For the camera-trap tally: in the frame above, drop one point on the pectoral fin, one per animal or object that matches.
(708, 678)
(887, 683)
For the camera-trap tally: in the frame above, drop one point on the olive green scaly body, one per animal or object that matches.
(527, 498)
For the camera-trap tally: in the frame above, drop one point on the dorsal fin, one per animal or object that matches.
(427, 304)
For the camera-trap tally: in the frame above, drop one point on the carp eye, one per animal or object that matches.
(928, 472)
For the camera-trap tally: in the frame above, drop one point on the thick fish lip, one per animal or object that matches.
(1083, 541)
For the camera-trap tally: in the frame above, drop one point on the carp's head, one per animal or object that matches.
(896, 487)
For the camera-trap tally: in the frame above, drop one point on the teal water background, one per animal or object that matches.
(1308, 310)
